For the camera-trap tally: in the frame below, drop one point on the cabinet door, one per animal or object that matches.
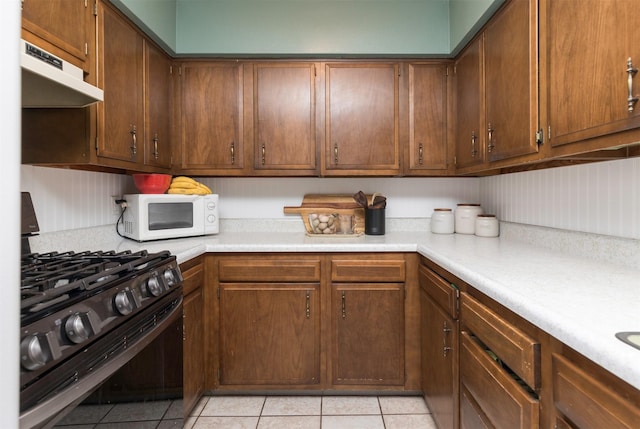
(120, 116)
(439, 363)
(469, 107)
(269, 334)
(368, 333)
(159, 107)
(428, 142)
(361, 102)
(285, 118)
(61, 24)
(588, 45)
(211, 117)
(511, 81)
(193, 349)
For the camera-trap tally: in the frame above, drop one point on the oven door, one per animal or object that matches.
(133, 375)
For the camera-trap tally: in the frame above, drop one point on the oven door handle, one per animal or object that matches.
(44, 414)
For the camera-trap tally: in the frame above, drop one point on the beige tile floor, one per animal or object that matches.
(311, 412)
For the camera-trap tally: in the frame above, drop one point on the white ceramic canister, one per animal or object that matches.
(465, 218)
(487, 225)
(442, 221)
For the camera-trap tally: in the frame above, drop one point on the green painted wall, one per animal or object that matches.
(313, 27)
(465, 19)
(310, 27)
(156, 17)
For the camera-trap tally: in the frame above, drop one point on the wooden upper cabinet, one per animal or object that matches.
(158, 107)
(428, 142)
(284, 118)
(469, 98)
(588, 85)
(361, 119)
(121, 115)
(211, 118)
(511, 81)
(62, 27)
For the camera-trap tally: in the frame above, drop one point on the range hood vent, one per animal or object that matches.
(48, 81)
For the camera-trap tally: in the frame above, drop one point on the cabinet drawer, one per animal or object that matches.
(278, 270)
(443, 293)
(500, 397)
(193, 278)
(516, 349)
(377, 270)
(588, 403)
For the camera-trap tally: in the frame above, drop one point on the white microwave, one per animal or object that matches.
(159, 216)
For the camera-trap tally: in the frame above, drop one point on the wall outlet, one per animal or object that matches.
(115, 208)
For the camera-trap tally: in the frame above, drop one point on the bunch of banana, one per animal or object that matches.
(187, 186)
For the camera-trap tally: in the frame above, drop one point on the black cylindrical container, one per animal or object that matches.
(374, 221)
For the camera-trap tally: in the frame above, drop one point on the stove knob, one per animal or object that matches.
(123, 303)
(170, 278)
(76, 329)
(33, 354)
(154, 287)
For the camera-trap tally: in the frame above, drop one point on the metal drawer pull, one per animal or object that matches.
(490, 146)
(308, 304)
(631, 71)
(335, 153)
(420, 154)
(474, 151)
(233, 153)
(134, 145)
(344, 307)
(155, 146)
(263, 151)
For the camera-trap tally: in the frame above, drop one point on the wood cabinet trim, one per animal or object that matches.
(269, 270)
(368, 271)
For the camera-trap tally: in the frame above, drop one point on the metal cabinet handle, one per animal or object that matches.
(474, 151)
(155, 146)
(631, 71)
(263, 152)
(134, 140)
(308, 304)
(490, 146)
(233, 153)
(344, 306)
(445, 331)
(420, 154)
(335, 153)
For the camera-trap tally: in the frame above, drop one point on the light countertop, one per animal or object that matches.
(580, 301)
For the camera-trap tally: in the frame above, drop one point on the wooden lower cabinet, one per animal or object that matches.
(585, 398)
(269, 333)
(312, 322)
(367, 323)
(193, 332)
(439, 347)
(502, 402)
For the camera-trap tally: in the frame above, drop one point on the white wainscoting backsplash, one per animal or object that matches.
(599, 198)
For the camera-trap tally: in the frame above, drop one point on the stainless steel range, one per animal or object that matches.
(86, 316)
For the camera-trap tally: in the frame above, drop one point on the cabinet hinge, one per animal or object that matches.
(446, 71)
(540, 137)
(455, 70)
(315, 72)
(455, 160)
(96, 145)
(549, 132)
(86, 49)
(218, 292)
(180, 71)
(95, 8)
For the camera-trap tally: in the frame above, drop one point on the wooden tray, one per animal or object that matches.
(330, 203)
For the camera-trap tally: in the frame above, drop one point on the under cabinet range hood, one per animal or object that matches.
(48, 81)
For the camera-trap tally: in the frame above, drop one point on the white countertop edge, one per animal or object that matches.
(607, 351)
